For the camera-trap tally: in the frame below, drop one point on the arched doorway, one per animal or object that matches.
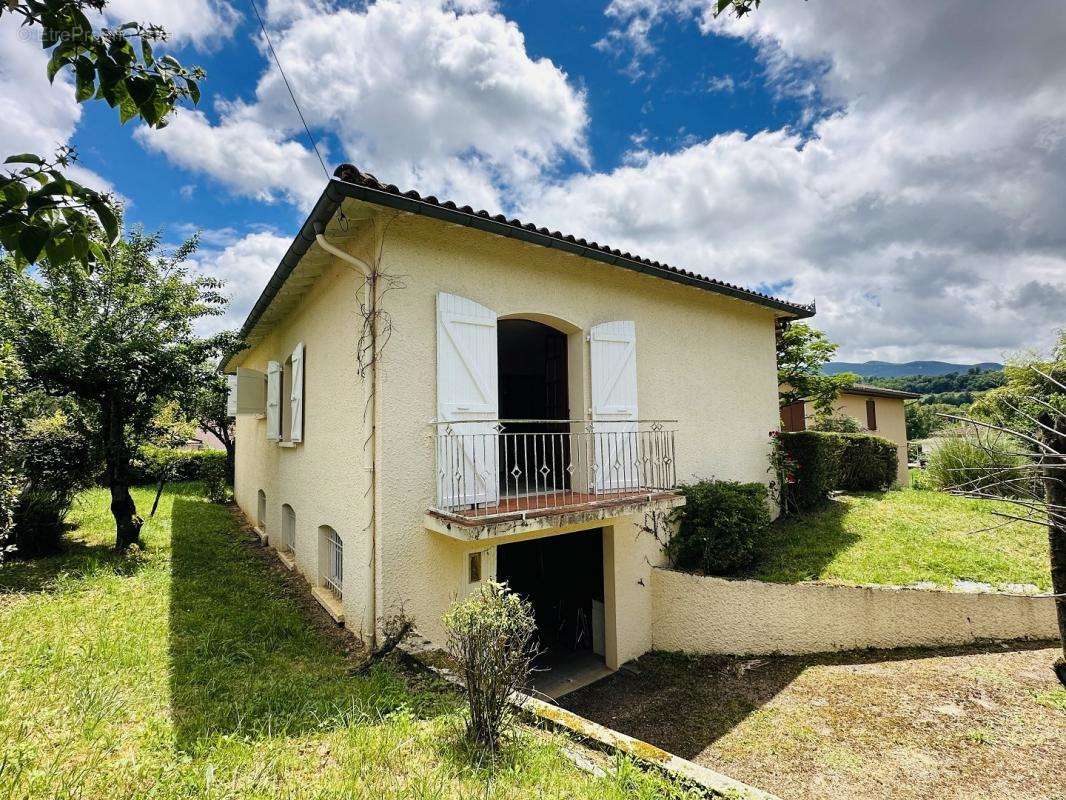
(533, 391)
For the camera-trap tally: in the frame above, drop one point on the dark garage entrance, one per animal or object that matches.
(562, 578)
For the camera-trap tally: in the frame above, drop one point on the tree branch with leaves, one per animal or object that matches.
(42, 211)
(802, 353)
(1021, 426)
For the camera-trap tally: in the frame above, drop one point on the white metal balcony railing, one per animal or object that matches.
(488, 467)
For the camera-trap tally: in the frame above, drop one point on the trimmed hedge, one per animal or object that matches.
(826, 461)
(721, 528)
(180, 465)
(868, 463)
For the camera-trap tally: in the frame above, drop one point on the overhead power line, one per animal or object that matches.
(292, 94)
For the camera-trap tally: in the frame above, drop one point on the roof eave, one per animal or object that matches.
(338, 190)
(490, 225)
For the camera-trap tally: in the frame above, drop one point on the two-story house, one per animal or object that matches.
(433, 396)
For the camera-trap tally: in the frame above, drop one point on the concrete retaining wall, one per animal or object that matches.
(698, 614)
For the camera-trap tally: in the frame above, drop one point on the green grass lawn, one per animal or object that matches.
(191, 671)
(906, 536)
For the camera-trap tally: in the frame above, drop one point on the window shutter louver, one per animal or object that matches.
(296, 396)
(273, 404)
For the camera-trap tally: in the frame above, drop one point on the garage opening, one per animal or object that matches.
(533, 388)
(562, 578)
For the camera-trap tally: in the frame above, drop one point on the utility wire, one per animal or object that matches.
(284, 77)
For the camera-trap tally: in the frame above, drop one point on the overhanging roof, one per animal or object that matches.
(349, 182)
(867, 390)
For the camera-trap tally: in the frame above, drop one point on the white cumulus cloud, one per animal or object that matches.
(245, 264)
(439, 95)
(924, 213)
(202, 23)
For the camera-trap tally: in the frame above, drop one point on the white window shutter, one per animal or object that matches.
(613, 357)
(231, 395)
(273, 402)
(296, 396)
(251, 391)
(467, 384)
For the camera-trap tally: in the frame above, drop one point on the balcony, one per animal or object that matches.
(505, 476)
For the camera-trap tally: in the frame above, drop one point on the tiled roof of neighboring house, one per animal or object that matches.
(349, 182)
(880, 391)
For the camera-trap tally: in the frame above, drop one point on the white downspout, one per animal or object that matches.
(372, 590)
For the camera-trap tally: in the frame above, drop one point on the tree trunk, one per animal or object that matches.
(123, 509)
(1055, 492)
(231, 453)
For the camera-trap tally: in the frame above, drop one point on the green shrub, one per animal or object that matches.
(55, 460)
(825, 461)
(213, 473)
(867, 463)
(835, 423)
(920, 479)
(816, 467)
(721, 527)
(174, 464)
(963, 462)
(492, 637)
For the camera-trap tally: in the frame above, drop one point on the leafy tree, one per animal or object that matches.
(802, 353)
(10, 376)
(955, 387)
(208, 400)
(119, 340)
(43, 213)
(1029, 412)
(921, 421)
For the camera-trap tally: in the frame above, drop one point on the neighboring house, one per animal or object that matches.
(204, 440)
(876, 410)
(534, 401)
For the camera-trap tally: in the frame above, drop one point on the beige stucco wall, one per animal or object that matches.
(891, 423)
(699, 614)
(323, 478)
(703, 359)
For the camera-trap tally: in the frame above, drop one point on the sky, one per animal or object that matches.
(902, 163)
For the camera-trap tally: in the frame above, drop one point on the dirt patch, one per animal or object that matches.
(984, 722)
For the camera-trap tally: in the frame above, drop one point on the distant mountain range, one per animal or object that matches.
(886, 369)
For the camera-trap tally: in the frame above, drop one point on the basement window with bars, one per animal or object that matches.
(288, 529)
(331, 550)
(261, 510)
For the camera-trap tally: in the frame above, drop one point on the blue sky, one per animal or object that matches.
(670, 103)
(900, 163)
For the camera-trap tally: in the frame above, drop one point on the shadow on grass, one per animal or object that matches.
(246, 658)
(76, 559)
(800, 546)
(685, 703)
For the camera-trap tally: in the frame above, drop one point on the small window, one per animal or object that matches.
(871, 415)
(474, 567)
(288, 529)
(261, 511)
(331, 560)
